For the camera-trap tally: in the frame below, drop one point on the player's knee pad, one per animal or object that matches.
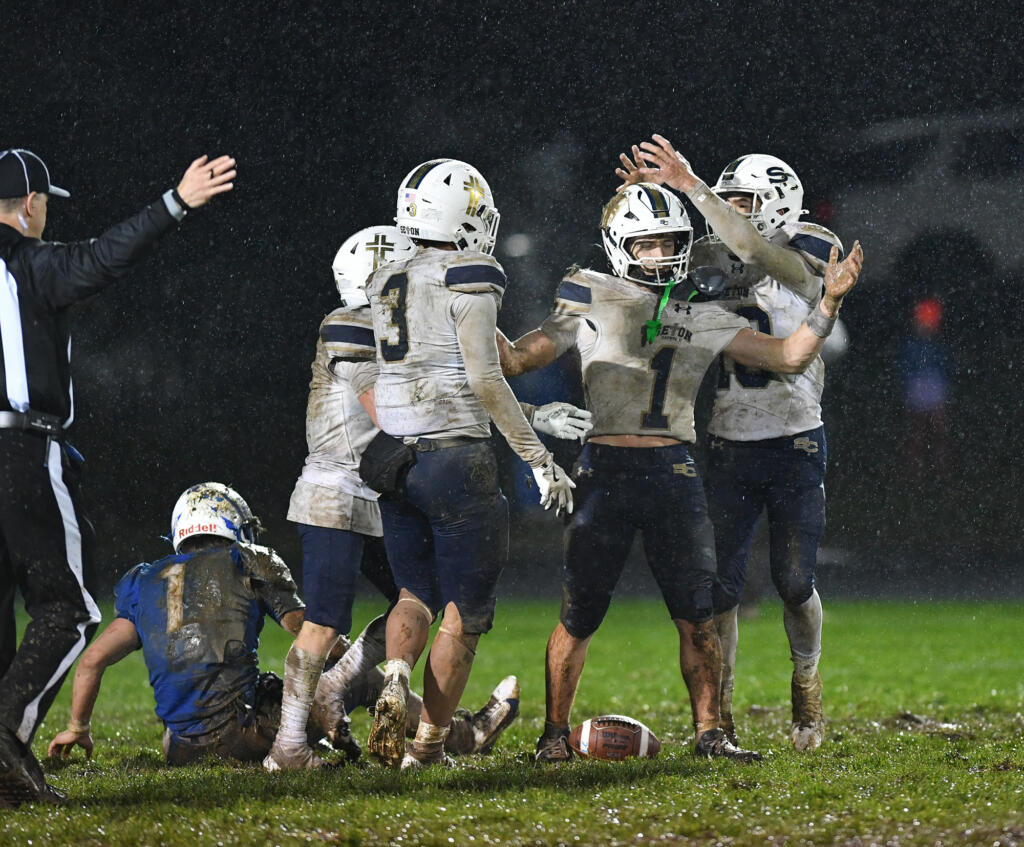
(795, 586)
(581, 616)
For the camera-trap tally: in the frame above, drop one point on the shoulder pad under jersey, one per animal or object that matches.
(474, 273)
(813, 242)
(348, 334)
(264, 564)
(574, 295)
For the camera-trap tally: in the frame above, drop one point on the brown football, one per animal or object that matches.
(613, 738)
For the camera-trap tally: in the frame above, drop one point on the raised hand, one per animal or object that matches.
(634, 171)
(672, 167)
(840, 277)
(205, 179)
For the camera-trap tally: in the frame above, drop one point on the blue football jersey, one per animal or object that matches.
(199, 617)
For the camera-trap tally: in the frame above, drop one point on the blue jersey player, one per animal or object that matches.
(197, 616)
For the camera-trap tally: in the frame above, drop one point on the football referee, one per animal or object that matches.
(41, 549)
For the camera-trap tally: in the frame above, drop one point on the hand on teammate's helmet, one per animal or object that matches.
(562, 420)
(205, 179)
(554, 486)
(659, 163)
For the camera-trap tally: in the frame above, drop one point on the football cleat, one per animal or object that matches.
(714, 744)
(553, 749)
(387, 733)
(808, 720)
(496, 716)
(416, 756)
(729, 728)
(301, 758)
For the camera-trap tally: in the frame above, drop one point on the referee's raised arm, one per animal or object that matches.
(41, 550)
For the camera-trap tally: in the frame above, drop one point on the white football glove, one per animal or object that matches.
(554, 486)
(562, 420)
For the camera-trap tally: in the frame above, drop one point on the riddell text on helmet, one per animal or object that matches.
(197, 527)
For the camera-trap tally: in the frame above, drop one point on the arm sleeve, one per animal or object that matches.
(572, 302)
(348, 336)
(742, 238)
(475, 323)
(272, 581)
(66, 273)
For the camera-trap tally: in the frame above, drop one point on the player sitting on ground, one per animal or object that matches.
(766, 438)
(197, 616)
(645, 341)
(339, 522)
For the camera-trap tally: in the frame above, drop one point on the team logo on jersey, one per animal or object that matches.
(805, 444)
(476, 194)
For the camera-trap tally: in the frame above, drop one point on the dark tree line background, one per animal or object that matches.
(197, 366)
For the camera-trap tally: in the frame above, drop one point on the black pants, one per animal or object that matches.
(42, 553)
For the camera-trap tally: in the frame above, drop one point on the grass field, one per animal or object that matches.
(925, 704)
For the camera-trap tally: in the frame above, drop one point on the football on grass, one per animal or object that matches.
(613, 738)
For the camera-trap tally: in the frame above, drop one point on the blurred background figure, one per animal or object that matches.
(924, 368)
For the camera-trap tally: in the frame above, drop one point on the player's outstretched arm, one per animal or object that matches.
(795, 353)
(116, 641)
(205, 179)
(527, 353)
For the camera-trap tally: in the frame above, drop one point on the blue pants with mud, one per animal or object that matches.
(786, 477)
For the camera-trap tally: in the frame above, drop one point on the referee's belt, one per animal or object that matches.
(33, 422)
(428, 445)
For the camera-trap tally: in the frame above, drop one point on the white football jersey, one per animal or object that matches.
(423, 388)
(751, 404)
(634, 387)
(338, 428)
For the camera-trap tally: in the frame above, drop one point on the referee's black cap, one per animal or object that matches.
(22, 172)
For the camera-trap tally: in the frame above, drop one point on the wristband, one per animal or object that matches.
(820, 325)
(79, 728)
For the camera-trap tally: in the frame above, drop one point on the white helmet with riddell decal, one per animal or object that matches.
(775, 192)
(448, 200)
(361, 255)
(645, 209)
(212, 508)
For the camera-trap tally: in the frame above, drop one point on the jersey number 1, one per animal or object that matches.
(175, 576)
(661, 364)
(393, 294)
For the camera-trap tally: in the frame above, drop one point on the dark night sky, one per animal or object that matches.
(197, 366)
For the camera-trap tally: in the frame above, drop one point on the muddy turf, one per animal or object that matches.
(925, 710)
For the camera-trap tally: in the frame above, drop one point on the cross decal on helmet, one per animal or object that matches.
(380, 247)
(476, 194)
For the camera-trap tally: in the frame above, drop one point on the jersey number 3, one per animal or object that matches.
(393, 295)
(661, 364)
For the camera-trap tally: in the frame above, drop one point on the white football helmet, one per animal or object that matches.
(646, 209)
(361, 255)
(776, 194)
(448, 200)
(212, 508)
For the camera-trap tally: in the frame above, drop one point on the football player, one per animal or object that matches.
(766, 439)
(339, 521)
(197, 616)
(645, 339)
(439, 387)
